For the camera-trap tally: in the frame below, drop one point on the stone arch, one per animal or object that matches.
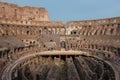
(63, 44)
(3, 11)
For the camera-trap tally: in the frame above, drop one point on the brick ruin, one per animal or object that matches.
(34, 48)
(26, 13)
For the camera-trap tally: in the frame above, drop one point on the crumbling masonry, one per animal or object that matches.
(34, 48)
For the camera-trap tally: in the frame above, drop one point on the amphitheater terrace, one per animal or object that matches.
(32, 47)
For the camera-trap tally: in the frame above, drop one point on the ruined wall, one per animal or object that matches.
(27, 30)
(26, 13)
(97, 35)
(94, 25)
(30, 34)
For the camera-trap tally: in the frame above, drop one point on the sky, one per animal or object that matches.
(75, 10)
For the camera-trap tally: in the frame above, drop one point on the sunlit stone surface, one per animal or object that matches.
(34, 48)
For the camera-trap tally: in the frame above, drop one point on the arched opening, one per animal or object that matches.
(63, 44)
(111, 31)
(45, 28)
(119, 51)
(74, 32)
(30, 42)
(71, 33)
(38, 77)
(15, 13)
(51, 40)
(3, 10)
(27, 32)
(39, 31)
(63, 57)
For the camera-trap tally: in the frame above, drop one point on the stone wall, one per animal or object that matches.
(15, 12)
(97, 35)
(94, 25)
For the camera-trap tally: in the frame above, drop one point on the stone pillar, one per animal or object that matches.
(55, 30)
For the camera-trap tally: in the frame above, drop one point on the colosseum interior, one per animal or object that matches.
(34, 48)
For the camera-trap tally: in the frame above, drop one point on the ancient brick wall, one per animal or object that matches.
(99, 35)
(15, 12)
(28, 30)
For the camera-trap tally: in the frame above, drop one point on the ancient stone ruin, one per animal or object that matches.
(34, 48)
